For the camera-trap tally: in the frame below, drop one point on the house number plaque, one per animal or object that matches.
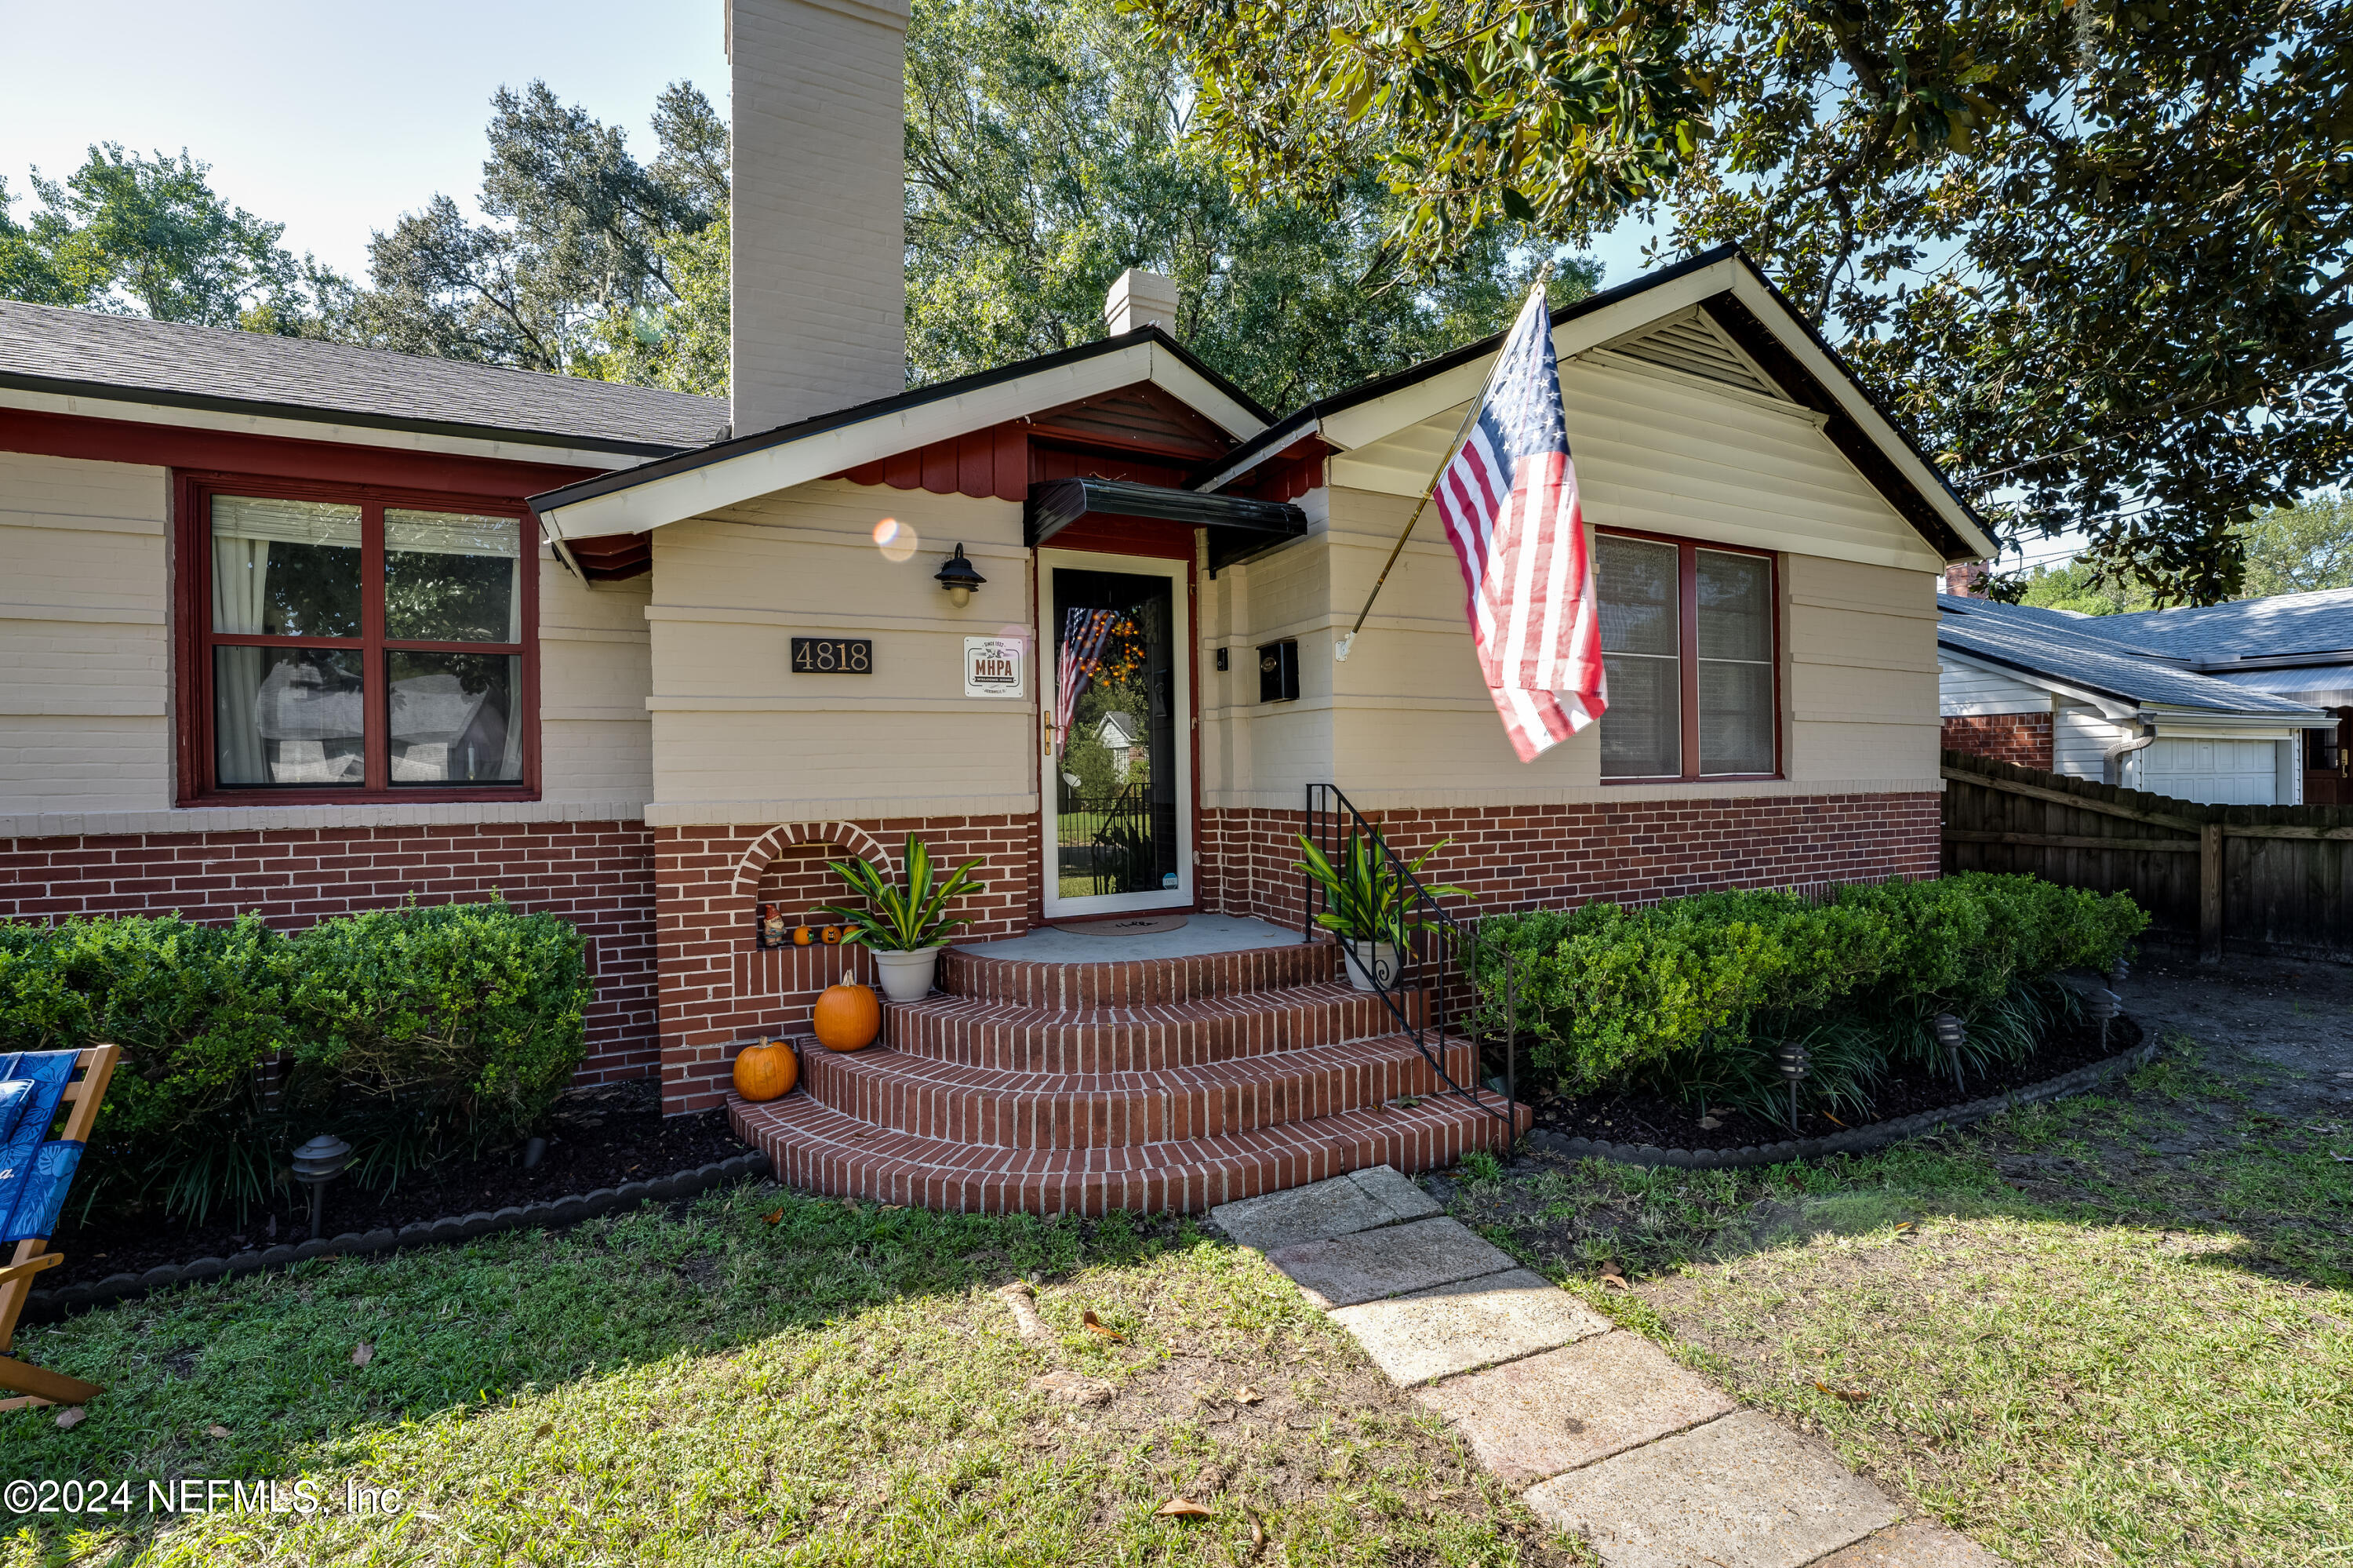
(833, 655)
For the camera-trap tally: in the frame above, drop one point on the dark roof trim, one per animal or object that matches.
(1239, 527)
(315, 414)
(913, 397)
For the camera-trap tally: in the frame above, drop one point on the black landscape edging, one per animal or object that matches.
(46, 1305)
(1855, 1140)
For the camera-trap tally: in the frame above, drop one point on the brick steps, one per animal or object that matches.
(1135, 982)
(820, 1149)
(1143, 1083)
(979, 1105)
(1133, 1038)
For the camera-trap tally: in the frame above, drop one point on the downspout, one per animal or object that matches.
(2112, 762)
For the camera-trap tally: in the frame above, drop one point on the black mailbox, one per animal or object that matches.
(1278, 672)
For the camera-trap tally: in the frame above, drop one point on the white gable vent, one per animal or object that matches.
(1696, 345)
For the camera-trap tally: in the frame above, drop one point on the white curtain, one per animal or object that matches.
(240, 579)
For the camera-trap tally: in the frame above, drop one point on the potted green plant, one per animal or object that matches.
(1365, 892)
(904, 926)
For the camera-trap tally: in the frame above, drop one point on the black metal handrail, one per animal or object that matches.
(1430, 942)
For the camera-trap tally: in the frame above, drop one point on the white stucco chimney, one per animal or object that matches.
(818, 280)
(1138, 298)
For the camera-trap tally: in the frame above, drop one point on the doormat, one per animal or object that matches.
(1141, 926)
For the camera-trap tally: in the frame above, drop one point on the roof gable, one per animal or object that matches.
(1094, 386)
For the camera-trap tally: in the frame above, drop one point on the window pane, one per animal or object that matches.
(454, 718)
(1736, 606)
(285, 569)
(1634, 579)
(452, 578)
(1735, 717)
(1642, 729)
(288, 715)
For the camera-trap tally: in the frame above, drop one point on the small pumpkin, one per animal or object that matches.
(766, 1072)
(846, 1017)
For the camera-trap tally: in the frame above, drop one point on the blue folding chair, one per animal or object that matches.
(35, 1170)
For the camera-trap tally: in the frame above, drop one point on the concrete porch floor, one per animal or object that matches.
(1200, 935)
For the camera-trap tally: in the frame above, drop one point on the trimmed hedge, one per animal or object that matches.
(406, 1030)
(1606, 992)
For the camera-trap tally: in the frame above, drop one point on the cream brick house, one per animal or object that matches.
(301, 628)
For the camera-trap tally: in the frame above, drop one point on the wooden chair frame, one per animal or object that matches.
(38, 1385)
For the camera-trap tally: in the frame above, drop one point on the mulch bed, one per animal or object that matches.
(596, 1137)
(1906, 1091)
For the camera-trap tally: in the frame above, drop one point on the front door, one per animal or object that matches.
(1117, 783)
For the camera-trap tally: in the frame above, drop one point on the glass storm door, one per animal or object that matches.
(1118, 774)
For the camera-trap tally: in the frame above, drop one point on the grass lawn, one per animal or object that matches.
(759, 1378)
(2109, 1330)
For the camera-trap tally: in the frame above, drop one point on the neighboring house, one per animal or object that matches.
(1118, 732)
(304, 627)
(2162, 701)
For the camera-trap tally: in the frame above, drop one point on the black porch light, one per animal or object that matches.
(318, 1162)
(959, 577)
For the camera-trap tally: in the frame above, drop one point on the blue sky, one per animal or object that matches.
(331, 119)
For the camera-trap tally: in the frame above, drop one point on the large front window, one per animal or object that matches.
(359, 643)
(1687, 639)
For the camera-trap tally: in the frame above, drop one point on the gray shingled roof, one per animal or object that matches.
(44, 348)
(2066, 648)
(2279, 627)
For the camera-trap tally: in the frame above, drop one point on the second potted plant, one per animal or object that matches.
(1365, 895)
(904, 928)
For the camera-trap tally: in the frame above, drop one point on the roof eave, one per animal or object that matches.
(254, 408)
(728, 472)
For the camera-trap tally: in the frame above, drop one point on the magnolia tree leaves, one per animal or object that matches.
(2094, 252)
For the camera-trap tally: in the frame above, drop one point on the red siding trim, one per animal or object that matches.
(277, 457)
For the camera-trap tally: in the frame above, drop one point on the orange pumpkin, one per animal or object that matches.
(766, 1072)
(848, 1018)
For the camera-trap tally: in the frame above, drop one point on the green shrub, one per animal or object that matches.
(1606, 991)
(195, 1008)
(408, 1031)
(417, 1027)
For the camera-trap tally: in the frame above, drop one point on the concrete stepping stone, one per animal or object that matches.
(1392, 1260)
(1573, 1406)
(1360, 1200)
(1468, 1324)
(1914, 1543)
(1739, 1492)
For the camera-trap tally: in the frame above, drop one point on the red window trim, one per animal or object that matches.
(1687, 651)
(194, 640)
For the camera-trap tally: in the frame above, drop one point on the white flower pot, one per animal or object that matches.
(1372, 966)
(907, 976)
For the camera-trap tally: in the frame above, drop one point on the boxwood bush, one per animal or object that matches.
(1691, 994)
(412, 1032)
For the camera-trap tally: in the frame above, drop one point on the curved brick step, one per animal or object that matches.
(1134, 982)
(816, 1147)
(1132, 1039)
(985, 1106)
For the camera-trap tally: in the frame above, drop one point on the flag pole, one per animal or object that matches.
(1343, 646)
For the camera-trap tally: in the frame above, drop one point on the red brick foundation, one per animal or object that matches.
(2020, 738)
(720, 990)
(597, 875)
(1514, 857)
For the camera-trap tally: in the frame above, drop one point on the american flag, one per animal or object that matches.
(1509, 503)
(1084, 632)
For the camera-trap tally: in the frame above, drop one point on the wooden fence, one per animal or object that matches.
(2261, 879)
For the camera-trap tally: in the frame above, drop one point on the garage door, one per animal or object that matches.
(2226, 773)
